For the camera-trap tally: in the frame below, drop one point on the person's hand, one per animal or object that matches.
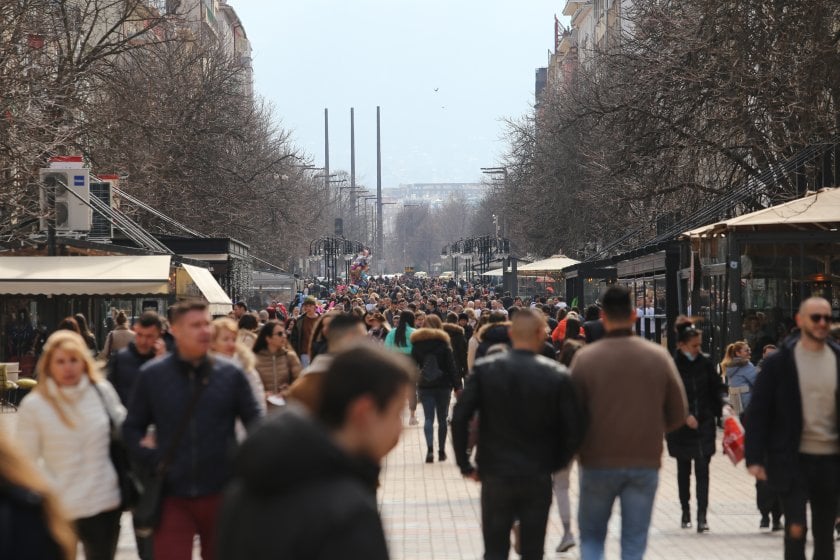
(691, 422)
(757, 471)
(728, 411)
(149, 441)
(160, 348)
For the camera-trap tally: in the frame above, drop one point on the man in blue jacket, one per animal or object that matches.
(792, 430)
(199, 462)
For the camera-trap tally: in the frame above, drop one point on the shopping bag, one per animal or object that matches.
(733, 439)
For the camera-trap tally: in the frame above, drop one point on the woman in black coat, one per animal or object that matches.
(432, 350)
(695, 442)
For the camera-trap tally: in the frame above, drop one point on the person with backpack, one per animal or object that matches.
(432, 350)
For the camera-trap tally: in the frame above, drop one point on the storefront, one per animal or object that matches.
(37, 292)
(758, 268)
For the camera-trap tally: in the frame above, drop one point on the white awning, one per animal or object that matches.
(207, 288)
(555, 263)
(494, 272)
(114, 275)
(820, 209)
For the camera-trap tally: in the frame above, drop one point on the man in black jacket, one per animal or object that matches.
(304, 487)
(793, 422)
(197, 447)
(531, 423)
(123, 372)
(124, 366)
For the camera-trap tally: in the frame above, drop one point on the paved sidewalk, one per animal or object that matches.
(431, 512)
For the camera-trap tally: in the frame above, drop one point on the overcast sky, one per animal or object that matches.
(444, 72)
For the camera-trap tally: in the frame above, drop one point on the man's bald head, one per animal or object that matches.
(814, 305)
(814, 320)
(527, 330)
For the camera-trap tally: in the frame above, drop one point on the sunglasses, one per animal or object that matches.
(816, 318)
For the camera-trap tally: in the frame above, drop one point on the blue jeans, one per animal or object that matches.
(636, 489)
(435, 401)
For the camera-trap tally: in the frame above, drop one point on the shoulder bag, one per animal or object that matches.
(129, 484)
(146, 514)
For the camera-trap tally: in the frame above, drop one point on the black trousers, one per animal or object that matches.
(99, 534)
(817, 481)
(767, 500)
(701, 475)
(507, 499)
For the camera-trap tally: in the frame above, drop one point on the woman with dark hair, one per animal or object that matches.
(90, 340)
(399, 339)
(276, 363)
(695, 442)
(69, 324)
(378, 327)
(432, 351)
(320, 332)
(248, 325)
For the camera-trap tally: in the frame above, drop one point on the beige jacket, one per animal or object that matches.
(277, 371)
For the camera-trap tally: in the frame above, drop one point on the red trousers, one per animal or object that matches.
(180, 520)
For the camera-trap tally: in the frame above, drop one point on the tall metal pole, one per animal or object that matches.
(327, 154)
(380, 245)
(352, 174)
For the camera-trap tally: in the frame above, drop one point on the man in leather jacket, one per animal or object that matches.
(531, 423)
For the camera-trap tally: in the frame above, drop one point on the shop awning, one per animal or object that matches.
(553, 264)
(494, 272)
(207, 287)
(114, 275)
(819, 210)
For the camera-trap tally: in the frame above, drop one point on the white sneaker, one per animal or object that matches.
(566, 543)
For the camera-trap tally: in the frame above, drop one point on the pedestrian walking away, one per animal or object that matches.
(792, 430)
(530, 426)
(632, 395)
(305, 485)
(439, 377)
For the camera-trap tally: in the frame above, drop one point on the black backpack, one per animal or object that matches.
(430, 372)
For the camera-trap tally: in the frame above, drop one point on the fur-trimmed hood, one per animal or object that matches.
(494, 332)
(453, 329)
(427, 335)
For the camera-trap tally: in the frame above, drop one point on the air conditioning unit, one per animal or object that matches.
(65, 193)
(101, 227)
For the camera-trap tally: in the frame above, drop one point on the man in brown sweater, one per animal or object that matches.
(632, 395)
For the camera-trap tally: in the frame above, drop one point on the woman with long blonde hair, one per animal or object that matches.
(740, 374)
(225, 342)
(35, 526)
(64, 424)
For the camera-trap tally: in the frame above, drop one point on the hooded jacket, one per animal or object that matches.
(295, 494)
(458, 340)
(435, 342)
(490, 334)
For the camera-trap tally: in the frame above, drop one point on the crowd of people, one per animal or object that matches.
(311, 396)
